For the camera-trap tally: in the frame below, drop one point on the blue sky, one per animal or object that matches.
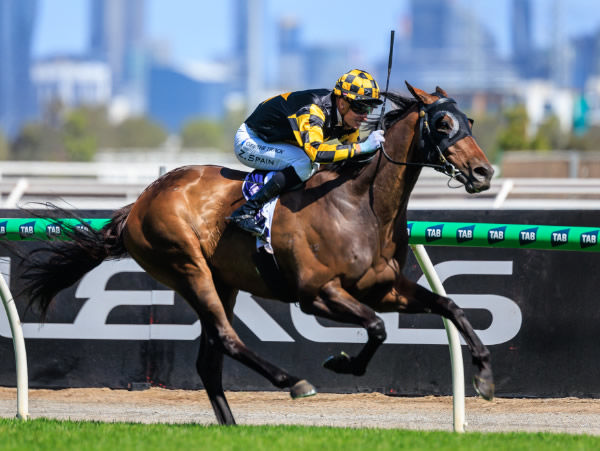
(191, 32)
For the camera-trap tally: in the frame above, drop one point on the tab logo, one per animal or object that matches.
(528, 236)
(3, 226)
(465, 233)
(559, 237)
(27, 230)
(433, 233)
(53, 230)
(82, 227)
(588, 239)
(409, 227)
(496, 235)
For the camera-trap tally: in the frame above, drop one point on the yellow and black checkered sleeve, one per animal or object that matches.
(307, 126)
(351, 138)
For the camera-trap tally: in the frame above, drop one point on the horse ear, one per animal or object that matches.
(441, 91)
(417, 93)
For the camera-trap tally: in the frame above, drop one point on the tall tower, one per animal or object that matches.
(291, 57)
(430, 23)
(17, 102)
(560, 52)
(117, 37)
(248, 48)
(522, 46)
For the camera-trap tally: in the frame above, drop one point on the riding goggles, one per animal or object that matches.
(361, 107)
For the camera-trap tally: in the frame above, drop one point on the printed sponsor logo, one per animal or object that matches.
(53, 230)
(528, 236)
(559, 237)
(83, 227)
(409, 227)
(27, 230)
(465, 233)
(588, 239)
(433, 233)
(3, 228)
(496, 235)
(91, 321)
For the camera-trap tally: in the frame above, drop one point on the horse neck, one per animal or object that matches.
(389, 183)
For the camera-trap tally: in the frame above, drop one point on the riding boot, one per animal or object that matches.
(245, 216)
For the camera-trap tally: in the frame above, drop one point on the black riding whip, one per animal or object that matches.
(387, 83)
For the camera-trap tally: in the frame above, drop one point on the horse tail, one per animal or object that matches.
(57, 265)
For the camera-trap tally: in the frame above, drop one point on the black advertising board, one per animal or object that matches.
(536, 310)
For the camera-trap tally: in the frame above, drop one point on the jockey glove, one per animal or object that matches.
(373, 142)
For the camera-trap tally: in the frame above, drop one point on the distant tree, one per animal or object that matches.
(79, 142)
(549, 135)
(98, 125)
(4, 149)
(514, 134)
(38, 141)
(139, 132)
(588, 141)
(202, 133)
(234, 118)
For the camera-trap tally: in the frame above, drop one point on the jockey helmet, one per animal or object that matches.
(358, 86)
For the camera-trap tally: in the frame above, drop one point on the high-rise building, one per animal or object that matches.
(192, 91)
(586, 60)
(522, 45)
(561, 52)
(248, 50)
(117, 37)
(447, 45)
(17, 100)
(291, 56)
(74, 82)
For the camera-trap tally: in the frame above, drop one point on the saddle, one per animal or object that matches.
(264, 258)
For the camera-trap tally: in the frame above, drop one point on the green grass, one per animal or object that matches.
(53, 435)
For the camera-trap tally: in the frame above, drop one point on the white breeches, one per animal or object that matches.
(258, 154)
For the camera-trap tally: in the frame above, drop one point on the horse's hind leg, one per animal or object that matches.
(210, 363)
(210, 369)
(220, 338)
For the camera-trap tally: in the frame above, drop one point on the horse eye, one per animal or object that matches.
(444, 125)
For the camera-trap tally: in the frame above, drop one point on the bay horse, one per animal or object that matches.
(340, 243)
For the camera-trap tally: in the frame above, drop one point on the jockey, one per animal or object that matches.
(287, 134)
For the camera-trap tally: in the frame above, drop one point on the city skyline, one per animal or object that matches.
(191, 34)
(172, 63)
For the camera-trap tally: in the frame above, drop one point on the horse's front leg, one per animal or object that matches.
(408, 297)
(335, 303)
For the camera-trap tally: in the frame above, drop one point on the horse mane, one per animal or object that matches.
(402, 104)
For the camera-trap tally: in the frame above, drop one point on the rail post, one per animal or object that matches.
(458, 376)
(20, 352)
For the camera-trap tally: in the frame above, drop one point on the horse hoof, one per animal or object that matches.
(484, 386)
(340, 363)
(302, 389)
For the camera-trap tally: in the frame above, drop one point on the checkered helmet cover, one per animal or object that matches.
(357, 85)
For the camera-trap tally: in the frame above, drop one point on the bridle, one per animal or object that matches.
(432, 143)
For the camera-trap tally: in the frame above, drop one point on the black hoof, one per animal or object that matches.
(484, 386)
(302, 389)
(342, 364)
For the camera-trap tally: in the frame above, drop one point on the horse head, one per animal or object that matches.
(446, 142)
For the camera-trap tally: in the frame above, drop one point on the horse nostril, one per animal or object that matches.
(484, 171)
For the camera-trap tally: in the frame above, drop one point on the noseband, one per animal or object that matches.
(433, 144)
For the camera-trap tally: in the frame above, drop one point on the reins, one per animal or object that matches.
(444, 166)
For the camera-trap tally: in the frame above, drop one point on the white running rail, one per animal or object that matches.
(19, 346)
(458, 376)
